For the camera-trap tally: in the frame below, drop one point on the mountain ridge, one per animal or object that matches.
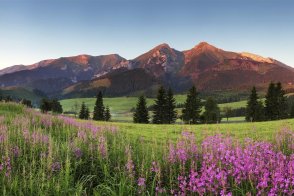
(206, 66)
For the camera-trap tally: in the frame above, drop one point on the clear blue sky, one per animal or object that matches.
(33, 30)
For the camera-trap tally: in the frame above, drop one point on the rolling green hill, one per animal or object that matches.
(20, 93)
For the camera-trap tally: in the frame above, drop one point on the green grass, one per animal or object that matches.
(235, 125)
(240, 130)
(234, 105)
(120, 107)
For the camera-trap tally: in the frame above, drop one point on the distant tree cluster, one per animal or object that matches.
(164, 109)
(51, 105)
(27, 103)
(100, 113)
(233, 112)
(192, 109)
(84, 112)
(8, 98)
(275, 107)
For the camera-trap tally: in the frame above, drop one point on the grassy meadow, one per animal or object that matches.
(121, 107)
(44, 154)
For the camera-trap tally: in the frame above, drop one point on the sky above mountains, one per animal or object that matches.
(33, 30)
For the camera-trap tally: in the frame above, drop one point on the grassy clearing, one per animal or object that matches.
(120, 107)
(256, 130)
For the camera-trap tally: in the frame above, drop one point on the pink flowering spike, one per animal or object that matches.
(78, 153)
(129, 165)
(141, 182)
(55, 167)
(102, 146)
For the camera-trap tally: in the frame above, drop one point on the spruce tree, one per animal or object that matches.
(98, 113)
(160, 107)
(171, 113)
(254, 109)
(292, 111)
(271, 103)
(107, 114)
(83, 111)
(141, 113)
(192, 107)
(87, 113)
(282, 106)
(212, 111)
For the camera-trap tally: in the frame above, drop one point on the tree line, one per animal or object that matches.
(275, 106)
(52, 105)
(164, 109)
(100, 112)
(8, 98)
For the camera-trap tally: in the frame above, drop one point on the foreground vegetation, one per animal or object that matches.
(57, 155)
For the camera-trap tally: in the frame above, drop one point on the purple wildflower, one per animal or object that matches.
(16, 151)
(130, 164)
(55, 167)
(141, 182)
(102, 146)
(78, 153)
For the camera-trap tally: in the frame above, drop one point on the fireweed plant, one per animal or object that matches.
(43, 154)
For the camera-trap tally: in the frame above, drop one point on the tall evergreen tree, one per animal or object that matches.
(107, 114)
(141, 113)
(87, 114)
(83, 111)
(192, 107)
(159, 109)
(292, 111)
(98, 113)
(254, 109)
(212, 111)
(171, 113)
(271, 103)
(282, 106)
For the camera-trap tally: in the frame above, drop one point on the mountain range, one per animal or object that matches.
(205, 66)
